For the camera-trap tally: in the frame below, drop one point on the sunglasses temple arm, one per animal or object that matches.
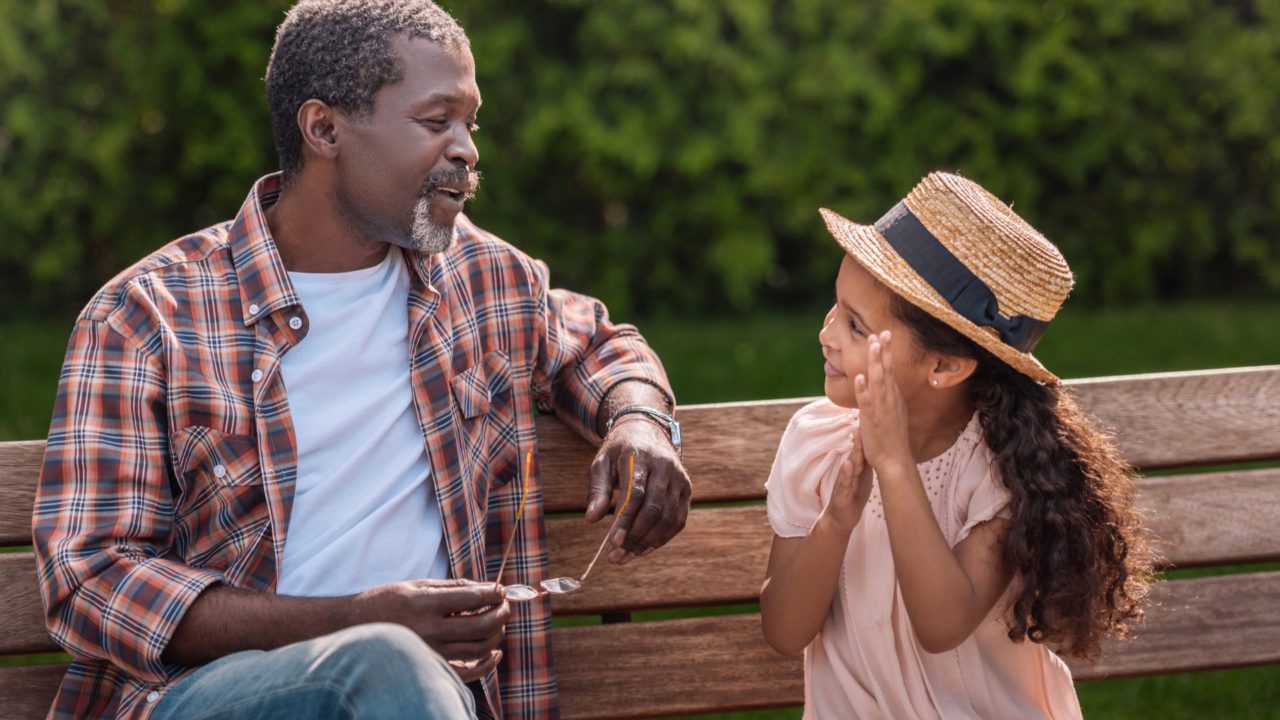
(524, 495)
(616, 518)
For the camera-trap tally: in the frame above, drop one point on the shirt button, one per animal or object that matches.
(153, 696)
(257, 376)
(253, 309)
(295, 322)
(219, 471)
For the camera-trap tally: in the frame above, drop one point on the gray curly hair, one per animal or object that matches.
(339, 52)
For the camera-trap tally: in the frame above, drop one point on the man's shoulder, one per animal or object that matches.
(173, 263)
(475, 243)
(478, 253)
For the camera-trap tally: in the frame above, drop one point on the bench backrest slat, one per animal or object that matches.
(1175, 420)
(721, 556)
(722, 663)
(1165, 420)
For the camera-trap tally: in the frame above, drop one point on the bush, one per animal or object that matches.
(670, 156)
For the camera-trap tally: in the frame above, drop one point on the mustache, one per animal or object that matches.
(463, 179)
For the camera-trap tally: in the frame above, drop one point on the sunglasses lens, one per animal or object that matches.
(519, 593)
(560, 585)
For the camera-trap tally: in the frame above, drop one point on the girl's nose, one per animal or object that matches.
(826, 323)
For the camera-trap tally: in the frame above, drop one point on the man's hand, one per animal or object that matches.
(660, 489)
(462, 620)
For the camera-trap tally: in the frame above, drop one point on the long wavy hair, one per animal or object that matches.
(1074, 539)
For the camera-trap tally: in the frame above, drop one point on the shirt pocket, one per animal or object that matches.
(488, 450)
(221, 506)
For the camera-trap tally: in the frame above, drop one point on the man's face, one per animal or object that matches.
(406, 169)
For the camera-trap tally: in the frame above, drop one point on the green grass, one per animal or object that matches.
(776, 355)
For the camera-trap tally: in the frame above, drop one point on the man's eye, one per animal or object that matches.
(472, 127)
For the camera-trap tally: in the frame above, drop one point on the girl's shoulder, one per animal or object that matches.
(822, 417)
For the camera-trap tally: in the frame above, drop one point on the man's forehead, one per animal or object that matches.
(435, 73)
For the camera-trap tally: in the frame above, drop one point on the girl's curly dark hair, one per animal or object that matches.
(1074, 538)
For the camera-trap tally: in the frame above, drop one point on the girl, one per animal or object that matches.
(946, 513)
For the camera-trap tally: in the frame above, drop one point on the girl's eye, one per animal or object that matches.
(854, 327)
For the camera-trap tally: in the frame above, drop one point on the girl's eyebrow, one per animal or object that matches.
(849, 309)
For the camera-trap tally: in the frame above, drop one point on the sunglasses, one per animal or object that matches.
(558, 585)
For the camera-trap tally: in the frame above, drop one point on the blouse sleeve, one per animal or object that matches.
(818, 438)
(987, 496)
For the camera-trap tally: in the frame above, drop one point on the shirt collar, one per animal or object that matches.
(264, 282)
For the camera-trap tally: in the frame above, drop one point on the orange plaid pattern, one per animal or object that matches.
(171, 459)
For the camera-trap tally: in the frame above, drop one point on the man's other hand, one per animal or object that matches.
(660, 490)
(464, 621)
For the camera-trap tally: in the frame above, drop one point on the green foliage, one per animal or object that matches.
(674, 153)
(125, 124)
(670, 155)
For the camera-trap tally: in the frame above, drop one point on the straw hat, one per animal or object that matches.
(955, 251)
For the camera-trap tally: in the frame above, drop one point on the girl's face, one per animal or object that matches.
(861, 310)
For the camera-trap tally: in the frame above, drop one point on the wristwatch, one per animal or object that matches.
(673, 427)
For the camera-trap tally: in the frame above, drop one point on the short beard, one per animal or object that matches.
(425, 235)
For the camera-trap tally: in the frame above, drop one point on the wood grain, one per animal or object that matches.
(19, 470)
(22, 627)
(671, 667)
(720, 557)
(641, 670)
(1160, 420)
(26, 693)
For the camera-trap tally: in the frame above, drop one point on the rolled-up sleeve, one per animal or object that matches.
(582, 355)
(104, 508)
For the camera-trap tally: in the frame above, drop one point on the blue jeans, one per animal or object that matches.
(378, 670)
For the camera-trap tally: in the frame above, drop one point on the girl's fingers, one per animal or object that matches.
(856, 456)
(875, 370)
(863, 393)
(886, 356)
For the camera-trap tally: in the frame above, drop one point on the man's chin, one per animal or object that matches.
(430, 241)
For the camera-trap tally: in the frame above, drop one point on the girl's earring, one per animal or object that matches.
(935, 382)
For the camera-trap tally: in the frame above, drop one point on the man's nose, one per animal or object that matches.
(463, 149)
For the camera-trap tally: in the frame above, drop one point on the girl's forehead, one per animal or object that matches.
(860, 289)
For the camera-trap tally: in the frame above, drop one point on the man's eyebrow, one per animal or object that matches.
(444, 98)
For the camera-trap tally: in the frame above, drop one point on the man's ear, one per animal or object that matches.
(319, 125)
(949, 371)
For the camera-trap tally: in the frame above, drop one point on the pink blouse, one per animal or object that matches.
(866, 661)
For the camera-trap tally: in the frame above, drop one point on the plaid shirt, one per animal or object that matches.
(172, 459)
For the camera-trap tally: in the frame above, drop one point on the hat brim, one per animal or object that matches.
(868, 247)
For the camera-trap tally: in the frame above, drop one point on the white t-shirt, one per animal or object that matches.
(364, 507)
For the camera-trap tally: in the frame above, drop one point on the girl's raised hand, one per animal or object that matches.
(853, 487)
(882, 413)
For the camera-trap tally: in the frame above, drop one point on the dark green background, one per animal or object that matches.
(669, 156)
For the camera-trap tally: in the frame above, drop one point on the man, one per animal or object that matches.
(286, 450)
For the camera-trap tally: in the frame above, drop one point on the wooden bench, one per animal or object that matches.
(631, 665)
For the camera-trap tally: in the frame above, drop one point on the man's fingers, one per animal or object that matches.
(470, 651)
(649, 513)
(670, 522)
(639, 494)
(475, 670)
(600, 487)
(450, 597)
